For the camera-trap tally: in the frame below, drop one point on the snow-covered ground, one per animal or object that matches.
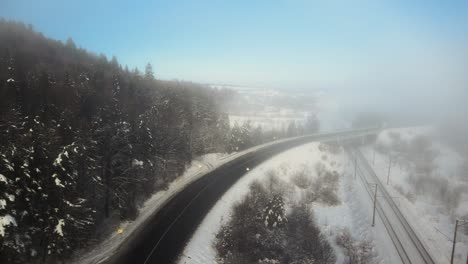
(353, 212)
(427, 207)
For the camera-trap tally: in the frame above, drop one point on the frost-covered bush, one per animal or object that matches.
(330, 147)
(357, 252)
(302, 178)
(420, 144)
(428, 184)
(391, 142)
(439, 188)
(453, 196)
(382, 148)
(397, 143)
(324, 188)
(324, 157)
(329, 196)
(251, 235)
(409, 195)
(276, 185)
(328, 187)
(306, 244)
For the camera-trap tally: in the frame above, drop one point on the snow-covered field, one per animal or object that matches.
(274, 109)
(432, 203)
(353, 212)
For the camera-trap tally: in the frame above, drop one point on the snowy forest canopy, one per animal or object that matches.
(85, 140)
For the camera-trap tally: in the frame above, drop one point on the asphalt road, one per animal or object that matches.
(164, 237)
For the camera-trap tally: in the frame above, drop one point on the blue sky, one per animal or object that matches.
(308, 44)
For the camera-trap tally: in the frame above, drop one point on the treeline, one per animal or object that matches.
(246, 135)
(85, 141)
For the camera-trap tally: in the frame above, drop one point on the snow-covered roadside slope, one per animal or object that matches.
(199, 167)
(427, 214)
(353, 213)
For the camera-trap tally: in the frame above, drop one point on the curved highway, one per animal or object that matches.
(162, 238)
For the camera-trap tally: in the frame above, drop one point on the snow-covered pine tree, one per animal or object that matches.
(149, 74)
(235, 141)
(32, 170)
(150, 147)
(112, 134)
(8, 224)
(246, 134)
(274, 213)
(71, 214)
(9, 127)
(203, 121)
(222, 132)
(241, 136)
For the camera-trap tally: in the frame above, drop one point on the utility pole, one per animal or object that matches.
(375, 205)
(454, 241)
(373, 156)
(389, 166)
(355, 166)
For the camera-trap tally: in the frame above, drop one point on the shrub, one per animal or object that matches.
(275, 185)
(320, 168)
(329, 196)
(324, 188)
(439, 188)
(356, 252)
(409, 195)
(302, 178)
(306, 242)
(246, 238)
(330, 147)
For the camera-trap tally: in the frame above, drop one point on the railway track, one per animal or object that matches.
(391, 232)
(409, 247)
